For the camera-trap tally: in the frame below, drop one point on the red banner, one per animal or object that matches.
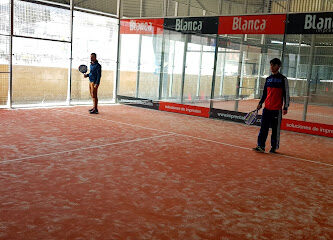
(255, 24)
(307, 127)
(142, 26)
(184, 109)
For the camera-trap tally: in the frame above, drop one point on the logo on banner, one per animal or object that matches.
(253, 24)
(147, 27)
(232, 116)
(307, 127)
(184, 109)
(141, 26)
(183, 25)
(139, 102)
(190, 25)
(249, 25)
(312, 22)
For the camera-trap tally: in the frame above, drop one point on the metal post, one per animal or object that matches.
(239, 74)
(223, 56)
(160, 86)
(299, 55)
(222, 71)
(116, 75)
(184, 58)
(309, 77)
(10, 80)
(173, 57)
(214, 71)
(288, 6)
(283, 55)
(139, 56)
(184, 70)
(161, 77)
(240, 65)
(138, 67)
(165, 8)
(242, 71)
(69, 86)
(200, 67)
(141, 8)
(263, 50)
(176, 9)
(172, 70)
(220, 7)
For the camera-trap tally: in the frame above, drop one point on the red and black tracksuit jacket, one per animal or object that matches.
(276, 93)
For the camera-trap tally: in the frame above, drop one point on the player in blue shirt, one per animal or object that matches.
(94, 81)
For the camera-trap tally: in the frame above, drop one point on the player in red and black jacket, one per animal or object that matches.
(276, 93)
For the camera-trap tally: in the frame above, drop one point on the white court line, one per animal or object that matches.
(198, 138)
(82, 148)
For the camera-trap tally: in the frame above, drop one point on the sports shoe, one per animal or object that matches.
(95, 111)
(273, 150)
(91, 109)
(259, 149)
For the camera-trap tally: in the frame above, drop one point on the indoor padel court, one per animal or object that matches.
(147, 120)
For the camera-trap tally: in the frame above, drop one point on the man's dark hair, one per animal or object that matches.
(276, 61)
(94, 54)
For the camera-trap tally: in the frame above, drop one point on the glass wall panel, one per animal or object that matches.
(104, 43)
(228, 69)
(40, 71)
(309, 70)
(199, 70)
(4, 69)
(258, 52)
(242, 68)
(5, 17)
(4, 50)
(173, 58)
(129, 59)
(150, 66)
(320, 108)
(41, 21)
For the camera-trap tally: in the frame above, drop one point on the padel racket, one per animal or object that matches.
(251, 117)
(83, 68)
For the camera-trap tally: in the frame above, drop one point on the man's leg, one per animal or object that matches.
(276, 125)
(265, 123)
(95, 98)
(91, 91)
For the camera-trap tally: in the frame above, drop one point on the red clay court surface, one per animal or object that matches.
(132, 173)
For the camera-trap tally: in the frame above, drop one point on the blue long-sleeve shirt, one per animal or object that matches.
(95, 73)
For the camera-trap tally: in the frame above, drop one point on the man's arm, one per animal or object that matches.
(263, 98)
(98, 74)
(286, 98)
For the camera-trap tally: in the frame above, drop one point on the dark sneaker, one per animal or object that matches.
(273, 150)
(259, 149)
(94, 111)
(91, 109)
